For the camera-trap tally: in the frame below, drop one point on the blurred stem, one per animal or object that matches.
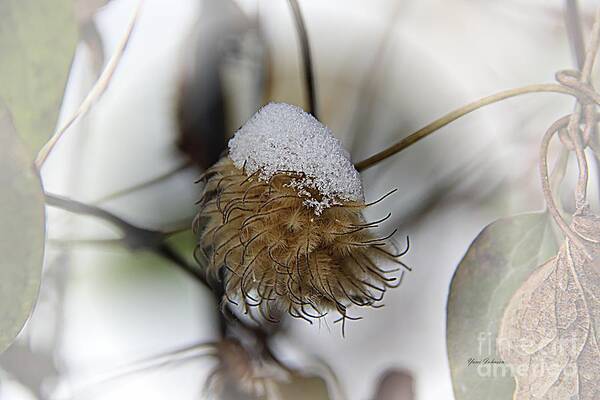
(144, 185)
(575, 31)
(309, 76)
(67, 243)
(363, 115)
(97, 91)
(173, 357)
(456, 114)
(134, 237)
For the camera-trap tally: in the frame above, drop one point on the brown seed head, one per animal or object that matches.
(276, 254)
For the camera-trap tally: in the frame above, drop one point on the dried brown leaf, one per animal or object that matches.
(550, 330)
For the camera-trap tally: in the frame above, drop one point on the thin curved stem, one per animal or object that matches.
(456, 114)
(144, 185)
(361, 118)
(97, 91)
(309, 75)
(546, 186)
(558, 175)
(582, 180)
(589, 115)
(177, 356)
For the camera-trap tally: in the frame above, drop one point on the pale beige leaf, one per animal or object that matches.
(550, 330)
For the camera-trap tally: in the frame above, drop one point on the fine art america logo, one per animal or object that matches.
(489, 364)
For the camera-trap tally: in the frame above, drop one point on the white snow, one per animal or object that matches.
(282, 138)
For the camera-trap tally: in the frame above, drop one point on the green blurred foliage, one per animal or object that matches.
(22, 232)
(37, 42)
(303, 387)
(185, 242)
(497, 263)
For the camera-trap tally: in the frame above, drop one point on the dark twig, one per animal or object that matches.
(134, 237)
(137, 239)
(309, 77)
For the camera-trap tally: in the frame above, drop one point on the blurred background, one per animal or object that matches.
(192, 72)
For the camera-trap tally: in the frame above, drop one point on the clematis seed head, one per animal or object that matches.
(281, 221)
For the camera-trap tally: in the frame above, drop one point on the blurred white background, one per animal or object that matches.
(102, 307)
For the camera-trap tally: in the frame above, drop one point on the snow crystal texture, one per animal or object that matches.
(282, 138)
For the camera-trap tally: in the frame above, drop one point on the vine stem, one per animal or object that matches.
(547, 187)
(573, 129)
(97, 91)
(458, 113)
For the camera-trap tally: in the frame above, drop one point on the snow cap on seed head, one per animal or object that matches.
(282, 138)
